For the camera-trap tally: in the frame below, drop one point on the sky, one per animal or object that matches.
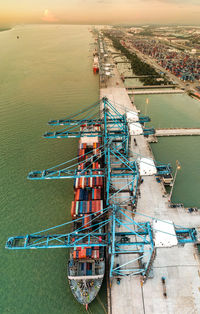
(100, 11)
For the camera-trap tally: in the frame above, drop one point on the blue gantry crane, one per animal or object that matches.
(136, 240)
(118, 229)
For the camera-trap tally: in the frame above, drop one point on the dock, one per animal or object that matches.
(177, 132)
(137, 76)
(166, 132)
(151, 87)
(156, 91)
(179, 291)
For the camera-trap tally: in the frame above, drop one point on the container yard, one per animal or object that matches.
(122, 223)
(182, 65)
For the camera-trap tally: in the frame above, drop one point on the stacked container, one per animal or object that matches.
(88, 195)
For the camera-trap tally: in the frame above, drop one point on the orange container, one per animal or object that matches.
(77, 195)
(72, 209)
(87, 222)
(82, 253)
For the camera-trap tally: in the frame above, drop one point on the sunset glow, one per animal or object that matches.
(49, 17)
(100, 11)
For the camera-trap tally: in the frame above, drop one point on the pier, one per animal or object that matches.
(178, 292)
(166, 132)
(137, 76)
(151, 87)
(177, 132)
(156, 91)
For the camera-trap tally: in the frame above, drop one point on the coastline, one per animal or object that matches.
(5, 29)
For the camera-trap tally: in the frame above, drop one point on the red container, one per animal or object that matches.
(95, 165)
(76, 254)
(73, 209)
(81, 166)
(87, 222)
(97, 194)
(82, 253)
(77, 195)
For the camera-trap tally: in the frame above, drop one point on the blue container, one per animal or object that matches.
(90, 206)
(88, 252)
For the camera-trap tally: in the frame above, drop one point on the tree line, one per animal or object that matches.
(138, 67)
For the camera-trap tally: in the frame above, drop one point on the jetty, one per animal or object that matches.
(151, 87)
(155, 91)
(137, 76)
(175, 274)
(177, 132)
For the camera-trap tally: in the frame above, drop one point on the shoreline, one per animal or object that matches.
(5, 29)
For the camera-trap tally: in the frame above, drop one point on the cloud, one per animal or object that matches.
(48, 16)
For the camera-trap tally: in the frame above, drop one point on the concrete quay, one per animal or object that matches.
(151, 87)
(177, 132)
(137, 76)
(156, 91)
(179, 265)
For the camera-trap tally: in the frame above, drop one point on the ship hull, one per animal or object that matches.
(95, 70)
(86, 288)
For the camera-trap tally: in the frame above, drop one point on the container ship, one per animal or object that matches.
(86, 266)
(96, 64)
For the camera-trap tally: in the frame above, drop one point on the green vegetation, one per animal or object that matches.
(146, 33)
(139, 67)
(2, 29)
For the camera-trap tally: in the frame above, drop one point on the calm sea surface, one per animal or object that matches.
(45, 74)
(167, 111)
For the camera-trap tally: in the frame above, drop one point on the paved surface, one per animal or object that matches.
(156, 91)
(180, 265)
(150, 86)
(177, 131)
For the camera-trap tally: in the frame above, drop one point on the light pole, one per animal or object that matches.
(178, 167)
